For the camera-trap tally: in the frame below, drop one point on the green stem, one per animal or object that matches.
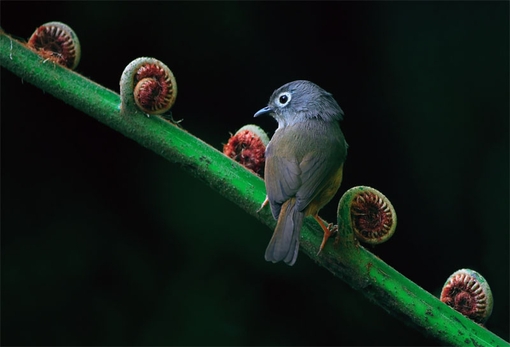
(361, 269)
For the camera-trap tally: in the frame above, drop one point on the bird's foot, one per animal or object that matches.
(266, 201)
(329, 230)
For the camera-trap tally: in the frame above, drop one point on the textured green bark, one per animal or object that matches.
(349, 261)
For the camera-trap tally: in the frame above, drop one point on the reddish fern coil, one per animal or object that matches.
(155, 88)
(57, 42)
(247, 146)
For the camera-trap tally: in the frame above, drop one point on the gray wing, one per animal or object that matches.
(305, 174)
(282, 178)
(316, 170)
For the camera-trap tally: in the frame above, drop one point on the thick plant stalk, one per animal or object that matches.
(349, 261)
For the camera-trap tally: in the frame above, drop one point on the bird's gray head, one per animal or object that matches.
(300, 101)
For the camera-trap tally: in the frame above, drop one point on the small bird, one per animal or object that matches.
(304, 162)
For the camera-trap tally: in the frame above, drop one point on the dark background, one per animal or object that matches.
(106, 243)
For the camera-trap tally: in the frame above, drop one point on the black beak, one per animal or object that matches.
(265, 111)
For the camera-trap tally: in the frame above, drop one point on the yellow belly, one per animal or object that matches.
(327, 193)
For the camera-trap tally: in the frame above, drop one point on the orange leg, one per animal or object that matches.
(263, 204)
(328, 231)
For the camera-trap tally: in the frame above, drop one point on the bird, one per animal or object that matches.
(304, 163)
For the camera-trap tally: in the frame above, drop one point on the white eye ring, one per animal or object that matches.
(283, 99)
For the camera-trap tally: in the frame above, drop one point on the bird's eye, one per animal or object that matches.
(283, 99)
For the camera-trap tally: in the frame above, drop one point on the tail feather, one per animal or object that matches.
(284, 244)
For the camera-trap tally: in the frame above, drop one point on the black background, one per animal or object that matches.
(106, 243)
